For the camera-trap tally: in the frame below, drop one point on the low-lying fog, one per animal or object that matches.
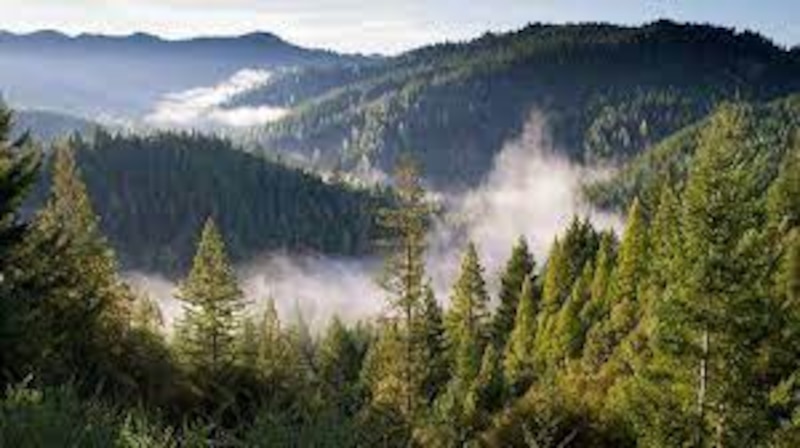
(530, 191)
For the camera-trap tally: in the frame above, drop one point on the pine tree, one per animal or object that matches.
(146, 314)
(466, 320)
(604, 263)
(403, 276)
(430, 329)
(570, 330)
(79, 274)
(518, 360)
(213, 302)
(784, 193)
(721, 308)
(628, 278)
(19, 166)
(248, 344)
(273, 350)
(340, 364)
(631, 265)
(665, 245)
(518, 268)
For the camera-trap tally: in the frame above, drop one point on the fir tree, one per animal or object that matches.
(273, 346)
(466, 319)
(213, 302)
(430, 329)
(19, 166)
(80, 276)
(721, 308)
(340, 365)
(518, 360)
(570, 330)
(403, 276)
(518, 268)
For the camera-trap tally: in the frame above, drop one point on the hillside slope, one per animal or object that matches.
(772, 130)
(153, 194)
(607, 91)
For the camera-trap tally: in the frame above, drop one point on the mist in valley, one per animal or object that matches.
(531, 191)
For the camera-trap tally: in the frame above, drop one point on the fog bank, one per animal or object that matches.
(203, 106)
(531, 190)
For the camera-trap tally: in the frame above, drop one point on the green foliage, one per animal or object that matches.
(517, 270)
(608, 93)
(684, 333)
(518, 365)
(403, 279)
(467, 320)
(153, 193)
(213, 302)
(771, 127)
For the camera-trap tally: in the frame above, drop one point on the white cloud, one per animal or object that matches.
(203, 106)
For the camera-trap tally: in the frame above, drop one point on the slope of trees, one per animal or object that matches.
(769, 127)
(608, 92)
(682, 331)
(153, 193)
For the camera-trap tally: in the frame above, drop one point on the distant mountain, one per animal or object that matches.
(607, 93)
(46, 126)
(124, 75)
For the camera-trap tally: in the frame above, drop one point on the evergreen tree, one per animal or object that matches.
(518, 268)
(628, 278)
(213, 302)
(721, 311)
(403, 277)
(430, 328)
(273, 350)
(248, 344)
(466, 320)
(146, 315)
(81, 286)
(19, 167)
(518, 360)
(570, 329)
(604, 263)
(784, 193)
(340, 365)
(568, 256)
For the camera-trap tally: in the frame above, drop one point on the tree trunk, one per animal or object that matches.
(702, 384)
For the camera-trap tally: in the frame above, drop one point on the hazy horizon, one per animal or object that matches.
(352, 26)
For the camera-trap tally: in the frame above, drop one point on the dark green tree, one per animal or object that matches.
(518, 268)
(518, 360)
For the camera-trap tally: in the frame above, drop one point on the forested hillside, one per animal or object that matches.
(683, 330)
(607, 91)
(770, 130)
(152, 194)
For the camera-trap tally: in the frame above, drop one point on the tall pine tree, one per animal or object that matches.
(213, 302)
(517, 270)
(467, 319)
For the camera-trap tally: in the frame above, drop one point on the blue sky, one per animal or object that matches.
(380, 25)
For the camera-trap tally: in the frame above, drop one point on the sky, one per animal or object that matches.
(381, 26)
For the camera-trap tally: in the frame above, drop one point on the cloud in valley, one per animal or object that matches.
(530, 191)
(204, 106)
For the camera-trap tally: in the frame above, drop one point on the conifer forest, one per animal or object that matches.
(438, 304)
